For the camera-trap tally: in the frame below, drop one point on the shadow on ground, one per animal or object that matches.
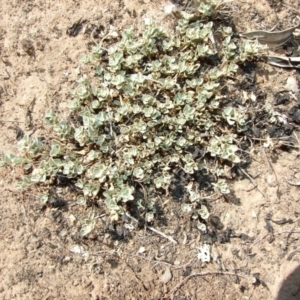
(290, 288)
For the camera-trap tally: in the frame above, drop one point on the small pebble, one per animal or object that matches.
(166, 277)
(27, 46)
(291, 85)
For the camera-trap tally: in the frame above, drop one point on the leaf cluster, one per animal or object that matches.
(152, 99)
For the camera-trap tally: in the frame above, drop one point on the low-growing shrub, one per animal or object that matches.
(152, 100)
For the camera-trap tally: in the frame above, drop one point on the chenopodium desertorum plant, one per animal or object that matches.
(151, 99)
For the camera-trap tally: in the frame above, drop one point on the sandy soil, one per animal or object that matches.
(254, 255)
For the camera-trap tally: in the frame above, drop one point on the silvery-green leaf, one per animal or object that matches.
(27, 166)
(95, 104)
(103, 93)
(203, 50)
(182, 142)
(86, 229)
(91, 190)
(7, 158)
(138, 173)
(168, 83)
(136, 109)
(63, 130)
(44, 198)
(132, 151)
(149, 217)
(234, 158)
(214, 104)
(229, 114)
(148, 100)
(188, 111)
(181, 120)
(74, 104)
(118, 81)
(104, 148)
(175, 158)
(215, 73)
(92, 155)
(193, 196)
(107, 77)
(204, 253)
(98, 171)
(115, 60)
(148, 111)
(194, 82)
(184, 15)
(126, 193)
(231, 149)
(159, 182)
(76, 249)
(203, 212)
(86, 220)
(85, 59)
(195, 34)
(54, 165)
(186, 207)
(16, 160)
(98, 71)
(128, 159)
(112, 204)
(180, 99)
(79, 184)
(138, 78)
(201, 226)
(101, 139)
(205, 9)
(38, 175)
(221, 187)
(24, 183)
(158, 140)
(211, 86)
(231, 69)
(82, 92)
(50, 118)
(55, 149)
(87, 225)
(81, 200)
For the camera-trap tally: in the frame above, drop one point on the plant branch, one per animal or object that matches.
(154, 230)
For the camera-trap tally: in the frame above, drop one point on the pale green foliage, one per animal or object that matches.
(274, 116)
(152, 98)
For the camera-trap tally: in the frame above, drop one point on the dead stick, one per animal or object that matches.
(270, 165)
(257, 241)
(290, 256)
(278, 233)
(6, 121)
(153, 229)
(202, 275)
(252, 181)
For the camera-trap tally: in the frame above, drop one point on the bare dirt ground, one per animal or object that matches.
(255, 251)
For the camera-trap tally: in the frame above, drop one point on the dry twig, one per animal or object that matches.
(253, 182)
(290, 256)
(202, 274)
(154, 230)
(271, 169)
(294, 230)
